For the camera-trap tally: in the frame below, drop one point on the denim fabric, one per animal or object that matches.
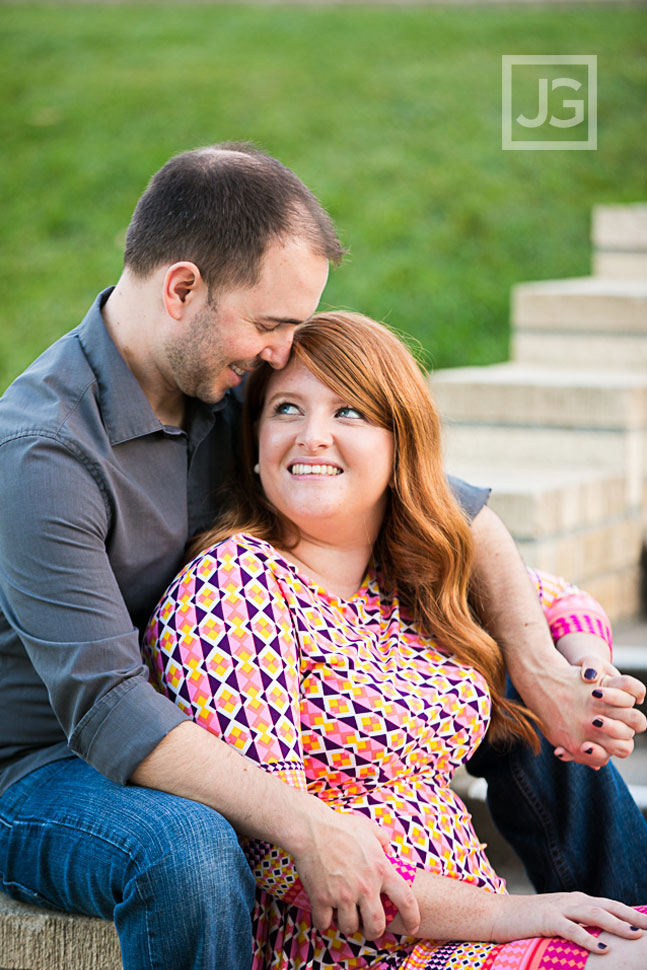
(573, 828)
(168, 871)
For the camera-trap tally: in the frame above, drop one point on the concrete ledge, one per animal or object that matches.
(618, 452)
(582, 304)
(536, 395)
(620, 266)
(32, 938)
(621, 351)
(620, 227)
(537, 501)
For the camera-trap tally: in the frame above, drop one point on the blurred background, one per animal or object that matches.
(391, 114)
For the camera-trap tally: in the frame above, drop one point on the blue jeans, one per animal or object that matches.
(168, 871)
(572, 827)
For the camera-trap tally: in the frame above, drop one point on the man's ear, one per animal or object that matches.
(182, 283)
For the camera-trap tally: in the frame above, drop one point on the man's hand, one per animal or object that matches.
(344, 870)
(339, 857)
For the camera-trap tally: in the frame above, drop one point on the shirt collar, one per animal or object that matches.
(125, 409)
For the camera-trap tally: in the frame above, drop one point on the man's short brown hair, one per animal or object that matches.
(219, 207)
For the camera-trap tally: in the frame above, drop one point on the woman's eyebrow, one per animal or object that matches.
(289, 392)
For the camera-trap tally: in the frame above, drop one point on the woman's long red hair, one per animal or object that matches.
(424, 548)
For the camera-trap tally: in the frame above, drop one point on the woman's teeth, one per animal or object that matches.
(300, 469)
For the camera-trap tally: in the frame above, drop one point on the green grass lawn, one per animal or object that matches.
(391, 114)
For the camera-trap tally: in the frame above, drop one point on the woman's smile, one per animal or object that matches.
(310, 470)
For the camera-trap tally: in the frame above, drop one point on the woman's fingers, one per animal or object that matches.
(605, 914)
(625, 682)
(611, 747)
(591, 754)
(613, 728)
(614, 736)
(614, 697)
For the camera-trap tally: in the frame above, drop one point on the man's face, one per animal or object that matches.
(221, 342)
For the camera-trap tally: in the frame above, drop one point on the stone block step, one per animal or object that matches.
(537, 501)
(622, 352)
(616, 450)
(621, 592)
(620, 265)
(527, 394)
(583, 305)
(620, 227)
(582, 322)
(512, 412)
(32, 938)
(619, 236)
(574, 522)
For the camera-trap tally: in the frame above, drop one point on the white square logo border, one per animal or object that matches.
(507, 141)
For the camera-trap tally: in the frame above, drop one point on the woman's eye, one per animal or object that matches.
(286, 407)
(349, 412)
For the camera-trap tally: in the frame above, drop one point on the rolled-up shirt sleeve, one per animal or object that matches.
(60, 595)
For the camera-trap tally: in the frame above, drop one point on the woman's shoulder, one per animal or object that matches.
(239, 550)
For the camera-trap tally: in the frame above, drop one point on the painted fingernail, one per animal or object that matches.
(590, 673)
(598, 722)
(634, 928)
(602, 946)
(597, 693)
(588, 751)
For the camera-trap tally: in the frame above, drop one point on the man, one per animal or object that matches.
(113, 447)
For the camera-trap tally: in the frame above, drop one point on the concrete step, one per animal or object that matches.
(537, 501)
(535, 395)
(583, 304)
(619, 265)
(620, 227)
(32, 938)
(581, 322)
(518, 413)
(619, 236)
(621, 352)
(613, 450)
(574, 522)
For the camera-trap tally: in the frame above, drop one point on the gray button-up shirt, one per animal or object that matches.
(97, 500)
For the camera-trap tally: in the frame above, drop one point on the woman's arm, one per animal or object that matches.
(455, 910)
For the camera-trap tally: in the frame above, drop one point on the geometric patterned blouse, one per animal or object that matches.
(342, 698)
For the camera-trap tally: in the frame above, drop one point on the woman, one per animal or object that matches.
(324, 630)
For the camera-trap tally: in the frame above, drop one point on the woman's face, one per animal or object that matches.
(321, 463)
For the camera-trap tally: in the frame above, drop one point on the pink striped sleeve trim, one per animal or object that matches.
(579, 613)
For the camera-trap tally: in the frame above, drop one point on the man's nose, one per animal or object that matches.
(277, 353)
